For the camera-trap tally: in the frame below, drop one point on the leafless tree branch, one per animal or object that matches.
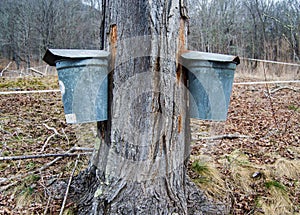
(1, 73)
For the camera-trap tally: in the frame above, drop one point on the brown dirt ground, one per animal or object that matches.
(267, 123)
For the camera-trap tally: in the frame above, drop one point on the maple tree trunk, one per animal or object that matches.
(139, 166)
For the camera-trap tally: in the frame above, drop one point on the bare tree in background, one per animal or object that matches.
(29, 27)
(265, 29)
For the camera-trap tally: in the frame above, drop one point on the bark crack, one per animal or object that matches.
(183, 9)
(118, 192)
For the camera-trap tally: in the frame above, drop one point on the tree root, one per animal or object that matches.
(95, 196)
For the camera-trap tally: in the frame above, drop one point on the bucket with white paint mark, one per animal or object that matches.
(83, 83)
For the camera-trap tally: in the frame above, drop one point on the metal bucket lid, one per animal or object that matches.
(53, 55)
(206, 56)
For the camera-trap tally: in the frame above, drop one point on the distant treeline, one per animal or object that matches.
(260, 29)
(29, 27)
(264, 29)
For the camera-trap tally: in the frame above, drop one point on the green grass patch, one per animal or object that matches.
(29, 83)
(294, 108)
(30, 165)
(202, 170)
(3, 166)
(32, 178)
(200, 167)
(275, 184)
(5, 153)
(27, 191)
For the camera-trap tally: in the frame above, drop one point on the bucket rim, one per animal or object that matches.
(53, 55)
(207, 56)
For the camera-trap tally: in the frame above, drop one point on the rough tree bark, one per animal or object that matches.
(139, 165)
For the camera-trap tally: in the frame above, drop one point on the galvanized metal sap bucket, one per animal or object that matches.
(210, 83)
(83, 83)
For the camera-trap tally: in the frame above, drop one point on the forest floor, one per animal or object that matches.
(251, 161)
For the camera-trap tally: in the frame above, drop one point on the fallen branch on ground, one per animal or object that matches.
(72, 150)
(47, 141)
(68, 187)
(66, 136)
(47, 206)
(24, 157)
(8, 186)
(220, 137)
(284, 88)
(36, 71)
(51, 136)
(53, 129)
(225, 136)
(7, 132)
(5, 68)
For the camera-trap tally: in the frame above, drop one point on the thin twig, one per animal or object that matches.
(283, 88)
(46, 69)
(36, 71)
(68, 187)
(66, 136)
(8, 186)
(225, 136)
(51, 136)
(47, 141)
(221, 137)
(5, 68)
(7, 132)
(52, 128)
(47, 206)
(270, 99)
